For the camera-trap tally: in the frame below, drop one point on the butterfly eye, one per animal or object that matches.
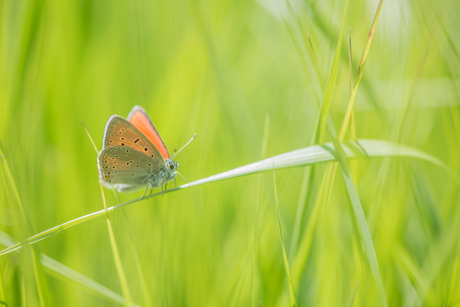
(171, 166)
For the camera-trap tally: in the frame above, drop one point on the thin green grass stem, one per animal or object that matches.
(283, 250)
(298, 158)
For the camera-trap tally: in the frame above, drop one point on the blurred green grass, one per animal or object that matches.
(217, 68)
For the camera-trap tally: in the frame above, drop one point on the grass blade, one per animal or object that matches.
(360, 219)
(301, 157)
(285, 259)
(63, 272)
(119, 266)
(345, 170)
(113, 243)
(255, 280)
(317, 138)
(137, 257)
(330, 85)
(351, 102)
(341, 158)
(29, 257)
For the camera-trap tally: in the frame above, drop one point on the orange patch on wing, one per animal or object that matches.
(144, 125)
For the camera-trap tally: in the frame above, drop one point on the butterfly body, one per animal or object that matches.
(133, 154)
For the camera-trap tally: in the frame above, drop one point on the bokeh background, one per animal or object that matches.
(225, 70)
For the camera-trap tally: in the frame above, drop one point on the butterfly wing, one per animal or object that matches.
(139, 119)
(125, 169)
(119, 132)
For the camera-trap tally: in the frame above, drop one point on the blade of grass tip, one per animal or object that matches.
(97, 151)
(21, 219)
(330, 85)
(311, 51)
(113, 243)
(285, 259)
(90, 138)
(137, 256)
(346, 120)
(310, 155)
(313, 54)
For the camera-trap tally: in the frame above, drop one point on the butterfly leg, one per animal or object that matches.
(146, 188)
(161, 189)
(175, 185)
(166, 186)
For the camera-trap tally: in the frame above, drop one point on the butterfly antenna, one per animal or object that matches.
(183, 148)
(182, 176)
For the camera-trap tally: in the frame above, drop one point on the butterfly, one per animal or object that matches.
(133, 154)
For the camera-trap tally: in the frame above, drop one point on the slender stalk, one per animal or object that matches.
(285, 259)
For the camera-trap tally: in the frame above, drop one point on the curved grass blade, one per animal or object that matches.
(63, 272)
(301, 157)
(360, 219)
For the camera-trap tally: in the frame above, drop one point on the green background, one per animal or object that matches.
(225, 70)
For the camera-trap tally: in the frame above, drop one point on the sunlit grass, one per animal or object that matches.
(217, 68)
